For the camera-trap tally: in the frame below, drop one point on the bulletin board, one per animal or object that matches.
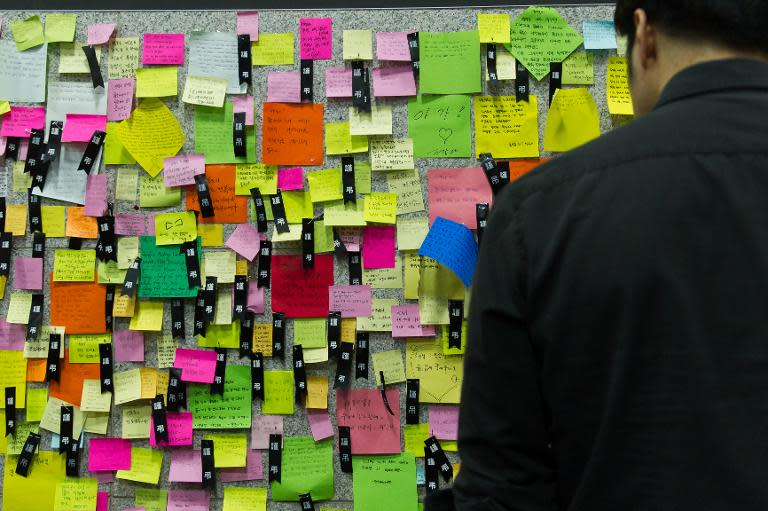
(122, 492)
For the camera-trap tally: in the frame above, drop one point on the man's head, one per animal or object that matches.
(666, 36)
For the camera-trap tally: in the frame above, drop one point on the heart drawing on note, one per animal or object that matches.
(445, 134)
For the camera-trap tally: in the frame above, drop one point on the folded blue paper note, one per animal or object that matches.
(452, 244)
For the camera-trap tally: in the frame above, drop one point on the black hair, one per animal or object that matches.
(736, 24)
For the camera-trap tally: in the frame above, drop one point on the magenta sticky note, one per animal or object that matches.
(130, 224)
(120, 98)
(291, 178)
(316, 38)
(96, 195)
(444, 421)
(255, 302)
(320, 424)
(80, 127)
(392, 46)
(12, 336)
(104, 477)
(406, 322)
(395, 80)
(186, 466)
(100, 34)
(245, 240)
(28, 273)
(189, 500)
(372, 429)
(351, 301)
(128, 345)
(196, 365)
(253, 470)
(109, 454)
(181, 170)
(248, 23)
(351, 238)
(102, 501)
(262, 427)
(179, 429)
(338, 82)
(164, 49)
(379, 247)
(21, 120)
(455, 193)
(284, 87)
(243, 103)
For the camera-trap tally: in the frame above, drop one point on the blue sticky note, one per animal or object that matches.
(599, 35)
(453, 245)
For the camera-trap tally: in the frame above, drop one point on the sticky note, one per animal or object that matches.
(109, 454)
(120, 99)
(506, 66)
(372, 429)
(186, 467)
(245, 499)
(357, 45)
(389, 362)
(148, 316)
(573, 120)
(444, 421)
(255, 175)
(307, 466)
(599, 35)
(27, 33)
(579, 69)
(284, 87)
(351, 301)
(233, 411)
(100, 33)
(245, 240)
(60, 28)
(72, 59)
(196, 365)
(179, 429)
(435, 386)
(619, 97)
(449, 62)
(181, 170)
(244, 104)
(338, 140)
(453, 245)
(325, 185)
(338, 82)
(80, 127)
(154, 194)
(414, 436)
(74, 265)
(76, 494)
(391, 153)
(278, 393)
(39, 488)
(316, 40)
(394, 80)
(378, 246)
(175, 228)
(505, 127)
(28, 273)
(92, 399)
(454, 194)
(213, 135)
(21, 120)
(123, 57)
(376, 122)
(292, 134)
(493, 28)
(157, 82)
(445, 135)
(248, 23)
(406, 322)
(380, 207)
(151, 499)
(84, 348)
(204, 90)
(163, 49)
(145, 466)
(273, 50)
(229, 449)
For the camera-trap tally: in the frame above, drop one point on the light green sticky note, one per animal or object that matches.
(440, 126)
(220, 336)
(84, 348)
(145, 466)
(115, 152)
(323, 238)
(278, 393)
(164, 270)
(390, 479)
(76, 494)
(60, 28)
(27, 33)
(230, 411)
(36, 401)
(307, 467)
(213, 136)
(310, 332)
(579, 69)
(110, 273)
(449, 62)
(16, 442)
(151, 499)
(154, 194)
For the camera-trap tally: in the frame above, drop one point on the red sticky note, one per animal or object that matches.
(179, 429)
(372, 429)
(109, 454)
(165, 49)
(316, 38)
(21, 120)
(299, 292)
(455, 193)
(228, 208)
(379, 247)
(128, 345)
(69, 388)
(291, 178)
(28, 273)
(196, 365)
(80, 127)
(292, 134)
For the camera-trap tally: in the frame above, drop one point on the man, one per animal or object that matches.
(618, 348)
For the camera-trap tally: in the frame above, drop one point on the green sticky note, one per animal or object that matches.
(220, 336)
(390, 479)
(154, 194)
(28, 33)
(213, 136)
(164, 270)
(449, 62)
(230, 411)
(278, 393)
(440, 126)
(310, 332)
(60, 28)
(151, 499)
(307, 467)
(323, 237)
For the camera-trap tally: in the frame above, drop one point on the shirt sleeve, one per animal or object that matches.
(506, 462)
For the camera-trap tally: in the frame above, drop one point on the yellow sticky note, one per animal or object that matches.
(358, 45)
(115, 153)
(338, 214)
(109, 273)
(241, 267)
(13, 373)
(123, 57)
(84, 348)
(135, 423)
(579, 68)
(262, 339)
(617, 89)
(93, 399)
(15, 443)
(245, 499)
(392, 153)
(229, 449)
(157, 82)
(18, 309)
(96, 422)
(16, 219)
(145, 466)
(212, 235)
(338, 140)
(255, 175)
(60, 28)
(493, 28)
(27, 33)
(51, 420)
(154, 194)
(21, 181)
(273, 50)
(442, 387)
(325, 185)
(573, 120)
(278, 392)
(126, 183)
(391, 363)
(317, 392)
(414, 436)
(36, 401)
(76, 494)
(507, 128)
(72, 59)
(381, 208)
(204, 90)
(376, 122)
(385, 278)
(151, 499)
(74, 265)
(5, 107)
(124, 306)
(506, 65)
(38, 489)
(128, 386)
(149, 378)
(54, 221)
(220, 265)
(147, 316)
(175, 228)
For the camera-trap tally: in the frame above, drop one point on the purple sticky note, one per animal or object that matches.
(96, 195)
(291, 178)
(102, 501)
(130, 224)
(243, 103)
(12, 336)
(393, 46)
(253, 470)
(28, 273)
(164, 49)
(338, 82)
(379, 247)
(100, 34)
(245, 241)
(262, 427)
(394, 81)
(128, 345)
(20, 120)
(181, 170)
(179, 429)
(248, 23)
(80, 127)
(120, 98)
(109, 454)
(406, 322)
(186, 466)
(196, 365)
(284, 87)
(444, 421)
(255, 301)
(351, 238)
(316, 38)
(351, 301)
(320, 424)
(104, 477)
(189, 500)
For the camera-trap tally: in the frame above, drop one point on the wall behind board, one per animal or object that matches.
(135, 23)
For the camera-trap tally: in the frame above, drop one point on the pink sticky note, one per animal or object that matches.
(100, 34)
(28, 273)
(379, 247)
(253, 470)
(245, 240)
(12, 336)
(262, 427)
(80, 127)
(166, 49)
(120, 98)
(130, 224)
(351, 238)
(21, 120)
(102, 501)
(290, 178)
(196, 365)
(455, 193)
(179, 429)
(351, 301)
(444, 421)
(284, 87)
(372, 429)
(320, 424)
(316, 38)
(248, 23)
(189, 500)
(243, 103)
(96, 195)
(128, 345)
(23, 148)
(394, 81)
(186, 466)
(3, 144)
(181, 170)
(104, 477)
(406, 322)
(255, 301)
(109, 454)
(338, 82)
(151, 224)
(392, 46)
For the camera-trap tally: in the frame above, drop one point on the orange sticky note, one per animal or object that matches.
(36, 369)
(228, 208)
(69, 388)
(292, 134)
(519, 168)
(79, 225)
(78, 306)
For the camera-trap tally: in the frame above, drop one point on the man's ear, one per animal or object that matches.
(645, 39)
